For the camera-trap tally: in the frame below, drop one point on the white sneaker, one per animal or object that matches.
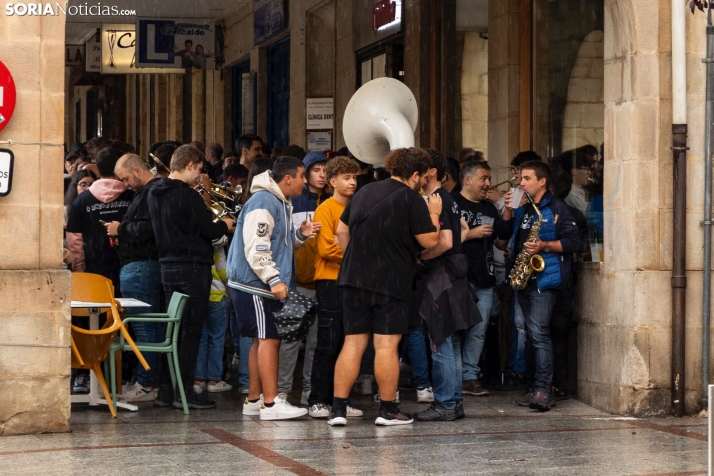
(377, 399)
(220, 387)
(139, 393)
(354, 412)
(424, 395)
(199, 387)
(305, 397)
(281, 410)
(252, 409)
(319, 410)
(236, 360)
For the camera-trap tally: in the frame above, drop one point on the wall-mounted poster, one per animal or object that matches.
(269, 19)
(179, 43)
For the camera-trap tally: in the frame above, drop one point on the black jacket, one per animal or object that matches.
(443, 298)
(136, 233)
(183, 226)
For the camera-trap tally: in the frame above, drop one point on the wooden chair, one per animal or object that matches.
(172, 319)
(91, 349)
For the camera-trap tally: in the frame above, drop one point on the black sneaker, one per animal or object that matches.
(338, 417)
(390, 419)
(165, 397)
(559, 394)
(524, 401)
(513, 382)
(542, 401)
(198, 401)
(436, 413)
(460, 411)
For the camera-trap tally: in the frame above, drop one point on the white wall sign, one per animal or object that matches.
(175, 43)
(93, 56)
(119, 48)
(6, 163)
(319, 141)
(320, 113)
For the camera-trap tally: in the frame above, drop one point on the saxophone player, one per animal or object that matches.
(544, 227)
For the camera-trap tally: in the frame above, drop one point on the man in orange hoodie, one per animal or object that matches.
(106, 201)
(341, 172)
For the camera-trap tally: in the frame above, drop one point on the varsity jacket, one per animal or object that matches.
(262, 252)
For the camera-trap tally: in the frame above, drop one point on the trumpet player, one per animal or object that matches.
(184, 231)
(544, 227)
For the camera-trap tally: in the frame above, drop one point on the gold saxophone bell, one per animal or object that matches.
(537, 263)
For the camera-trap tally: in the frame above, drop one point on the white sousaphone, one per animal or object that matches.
(381, 116)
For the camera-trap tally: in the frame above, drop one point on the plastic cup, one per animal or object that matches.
(516, 197)
(596, 252)
(487, 221)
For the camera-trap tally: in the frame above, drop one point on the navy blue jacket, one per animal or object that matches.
(558, 225)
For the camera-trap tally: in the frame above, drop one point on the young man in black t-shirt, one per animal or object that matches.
(106, 200)
(383, 225)
(475, 180)
(445, 344)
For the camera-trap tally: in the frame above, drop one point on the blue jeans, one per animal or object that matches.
(209, 364)
(473, 343)
(446, 372)
(537, 308)
(517, 347)
(142, 280)
(241, 345)
(415, 346)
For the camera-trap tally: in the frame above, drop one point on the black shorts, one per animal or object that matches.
(365, 312)
(256, 314)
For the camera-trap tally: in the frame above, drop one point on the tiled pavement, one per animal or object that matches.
(496, 438)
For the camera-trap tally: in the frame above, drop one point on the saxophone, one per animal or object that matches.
(526, 262)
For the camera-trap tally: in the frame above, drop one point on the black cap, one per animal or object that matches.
(76, 151)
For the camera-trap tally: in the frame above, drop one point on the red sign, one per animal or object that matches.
(384, 12)
(8, 95)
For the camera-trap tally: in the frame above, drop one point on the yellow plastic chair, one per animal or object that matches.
(91, 349)
(75, 352)
(90, 287)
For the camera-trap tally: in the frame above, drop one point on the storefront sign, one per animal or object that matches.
(320, 113)
(268, 19)
(118, 51)
(73, 55)
(175, 43)
(6, 162)
(319, 141)
(8, 96)
(386, 13)
(93, 57)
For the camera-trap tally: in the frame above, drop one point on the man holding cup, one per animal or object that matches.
(485, 224)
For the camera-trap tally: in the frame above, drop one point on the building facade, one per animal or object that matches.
(496, 76)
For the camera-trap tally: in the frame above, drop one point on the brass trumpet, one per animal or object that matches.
(496, 187)
(158, 162)
(218, 207)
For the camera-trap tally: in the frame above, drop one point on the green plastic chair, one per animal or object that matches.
(172, 319)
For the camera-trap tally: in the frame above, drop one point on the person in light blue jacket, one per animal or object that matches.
(261, 270)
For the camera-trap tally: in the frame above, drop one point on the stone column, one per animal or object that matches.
(625, 324)
(34, 308)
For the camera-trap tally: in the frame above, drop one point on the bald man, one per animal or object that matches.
(140, 274)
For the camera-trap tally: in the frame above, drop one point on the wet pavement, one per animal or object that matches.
(496, 437)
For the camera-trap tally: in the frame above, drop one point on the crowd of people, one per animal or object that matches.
(408, 265)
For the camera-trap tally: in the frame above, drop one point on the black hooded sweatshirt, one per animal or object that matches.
(136, 233)
(183, 226)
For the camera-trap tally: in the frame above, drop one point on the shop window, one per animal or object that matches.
(568, 102)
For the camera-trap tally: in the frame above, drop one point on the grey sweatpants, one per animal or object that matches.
(289, 355)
